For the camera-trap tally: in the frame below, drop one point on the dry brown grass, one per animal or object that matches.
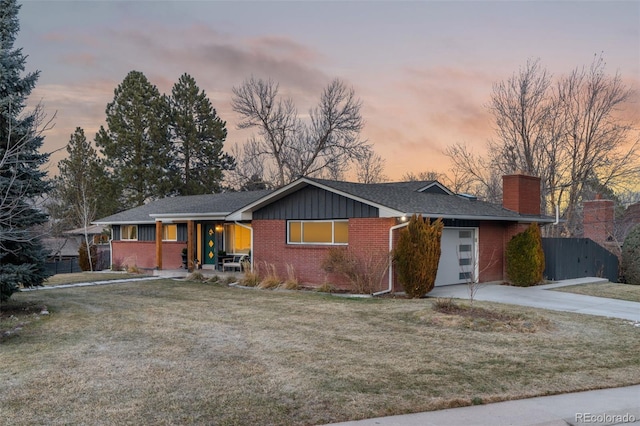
(174, 352)
(610, 290)
(83, 277)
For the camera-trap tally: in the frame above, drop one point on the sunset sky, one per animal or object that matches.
(423, 69)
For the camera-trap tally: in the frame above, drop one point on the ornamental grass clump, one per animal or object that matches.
(417, 254)
(525, 258)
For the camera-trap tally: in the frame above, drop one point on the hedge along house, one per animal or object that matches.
(297, 224)
(154, 235)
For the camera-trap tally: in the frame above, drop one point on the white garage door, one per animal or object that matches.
(458, 251)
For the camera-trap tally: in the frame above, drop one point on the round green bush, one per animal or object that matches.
(631, 257)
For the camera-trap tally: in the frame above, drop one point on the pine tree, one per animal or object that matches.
(22, 183)
(80, 192)
(136, 142)
(198, 135)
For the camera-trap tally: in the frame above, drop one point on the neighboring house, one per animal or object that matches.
(297, 224)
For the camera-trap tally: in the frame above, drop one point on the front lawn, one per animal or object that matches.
(610, 290)
(174, 352)
(84, 277)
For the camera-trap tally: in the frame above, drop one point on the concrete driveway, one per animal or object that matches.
(543, 297)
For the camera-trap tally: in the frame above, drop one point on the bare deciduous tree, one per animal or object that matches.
(291, 147)
(370, 169)
(568, 134)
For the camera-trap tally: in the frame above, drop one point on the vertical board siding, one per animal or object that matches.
(315, 203)
(567, 258)
(146, 232)
(182, 232)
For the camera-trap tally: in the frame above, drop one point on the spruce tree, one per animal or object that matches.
(22, 183)
(198, 135)
(136, 144)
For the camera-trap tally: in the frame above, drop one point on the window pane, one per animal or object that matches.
(464, 275)
(341, 232)
(242, 239)
(129, 232)
(464, 234)
(465, 247)
(317, 232)
(464, 262)
(295, 233)
(170, 232)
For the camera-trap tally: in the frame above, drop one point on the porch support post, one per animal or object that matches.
(190, 245)
(159, 245)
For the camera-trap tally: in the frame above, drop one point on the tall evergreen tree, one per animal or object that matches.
(81, 191)
(22, 182)
(198, 136)
(136, 144)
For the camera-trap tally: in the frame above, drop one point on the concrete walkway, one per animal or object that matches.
(600, 407)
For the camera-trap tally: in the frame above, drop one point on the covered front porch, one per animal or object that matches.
(208, 242)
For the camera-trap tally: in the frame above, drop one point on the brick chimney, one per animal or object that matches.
(597, 222)
(521, 193)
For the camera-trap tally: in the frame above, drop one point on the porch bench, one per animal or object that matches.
(235, 262)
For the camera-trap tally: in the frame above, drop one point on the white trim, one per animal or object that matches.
(438, 184)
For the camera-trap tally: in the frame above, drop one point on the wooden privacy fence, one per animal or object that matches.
(567, 258)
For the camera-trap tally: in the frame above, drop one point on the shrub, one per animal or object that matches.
(292, 282)
(196, 276)
(525, 258)
(364, 273)
(630, 268)
(83, 257)
(417, 254)
(271, 280)
(250, 278)
(326, 288)
(117, 264)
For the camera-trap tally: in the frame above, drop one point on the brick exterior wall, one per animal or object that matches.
(521, 194)
(598, 217)
(367, 237)
(491, 246)
(143, 254)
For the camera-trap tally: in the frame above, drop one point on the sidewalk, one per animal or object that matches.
(599, 407)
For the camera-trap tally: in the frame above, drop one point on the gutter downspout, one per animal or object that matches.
(390, 289)
(251, 233)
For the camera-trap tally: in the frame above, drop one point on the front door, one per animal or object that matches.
(457, 257)
(210, 244)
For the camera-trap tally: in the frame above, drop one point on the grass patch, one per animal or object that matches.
(610, 290)
(87, 277)
(177, 352)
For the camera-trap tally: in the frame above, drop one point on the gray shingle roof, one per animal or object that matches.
(218, 205)
(403, 197)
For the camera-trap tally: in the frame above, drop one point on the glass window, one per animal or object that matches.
(465, 247)
(464, 262)
(464, 234)
(129, 232)
(169, 232)
(237, 239)
(318, 232)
